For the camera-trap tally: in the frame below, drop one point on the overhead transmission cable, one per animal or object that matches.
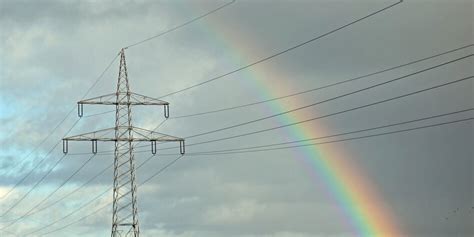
(379, 102)
(330, 99)
(33, 211)
(318, 103)
(55, 128)
(102, 194)
(277, 148)
(51, 193)
(327, 115)
(412, 93)
(319, 88)
(104, 206)
(304, 91)
(282, 52)
(340, 134)
(181, 25)
(36, 208)
(328, 142)
(397, 3)
(40, 179)
(99, 78)
(49, 205)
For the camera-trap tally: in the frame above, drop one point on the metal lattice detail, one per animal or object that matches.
(125, 210)
(124, 216)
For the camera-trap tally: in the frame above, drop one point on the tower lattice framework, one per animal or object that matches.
(125, 211)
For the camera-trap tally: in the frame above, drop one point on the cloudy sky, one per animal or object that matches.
(52, 52)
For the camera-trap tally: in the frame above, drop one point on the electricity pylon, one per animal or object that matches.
(125, 214)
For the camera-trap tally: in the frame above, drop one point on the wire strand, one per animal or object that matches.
(281, 52)
(100, 195)
(249, 151)
(34, 186)
(322, 87)
(181, 25)
(323, 116)
(50, 194)
(59, 124)
(335, 141)
(106, 205)
(314, 118)
(348, 133)
(72, 192)
(330, 99)
(37, 164)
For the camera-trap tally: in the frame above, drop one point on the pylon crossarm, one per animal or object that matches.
(96, 135)
(111, 139)
(146, 100)
(153, 136)
(138, 135)
(103, 99)
(111, 99)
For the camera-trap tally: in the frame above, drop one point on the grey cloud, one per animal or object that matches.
(51, 52)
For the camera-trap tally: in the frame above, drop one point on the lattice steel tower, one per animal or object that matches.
(125, 212)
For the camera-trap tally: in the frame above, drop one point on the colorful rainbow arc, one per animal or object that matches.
(345, 181)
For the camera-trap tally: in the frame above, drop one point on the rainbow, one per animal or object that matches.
(346, 183)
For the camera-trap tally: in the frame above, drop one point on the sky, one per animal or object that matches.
(420, 182)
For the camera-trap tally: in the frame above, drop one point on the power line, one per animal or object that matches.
(57, 126)
(261, 150)
(102, 194)
(34, 186)
(101, 76)
(281, 52)
(69, 214)
(73, 108)
(320, 102)
(77, 221)
(73, 191)
(319, 88)
(308, 42)
(50, 194)
(325, 116)
(361, 137)
(34, 168)
(330, 99)
(101, 208)
(348, 139)
(166, 32)
(44, 175)
(340, 134)
(314, 89)
(161, 170)
(334, 141)
(179, 157)
(67, 195)
(345, 133)
(181, 25)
